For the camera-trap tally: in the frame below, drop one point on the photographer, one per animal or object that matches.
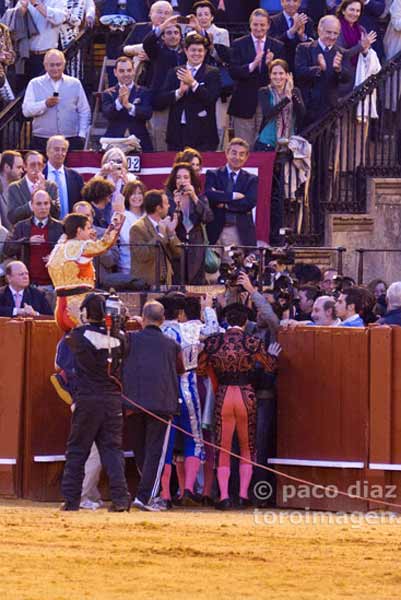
(97, 415)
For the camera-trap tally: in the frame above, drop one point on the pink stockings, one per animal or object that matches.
(234, 415)
(186, 473)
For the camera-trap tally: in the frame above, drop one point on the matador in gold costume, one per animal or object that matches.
(70, 265)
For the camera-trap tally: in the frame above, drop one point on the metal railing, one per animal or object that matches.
(359, 138)
(361, 258)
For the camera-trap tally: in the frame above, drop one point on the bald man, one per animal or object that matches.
(320, 68)
(58, 105)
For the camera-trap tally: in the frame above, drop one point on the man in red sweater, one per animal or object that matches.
(33, 239)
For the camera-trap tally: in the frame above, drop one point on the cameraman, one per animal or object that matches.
(97, 416)
(267, 322)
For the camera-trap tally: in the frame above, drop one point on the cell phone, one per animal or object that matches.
(183, 20)
(55, 94)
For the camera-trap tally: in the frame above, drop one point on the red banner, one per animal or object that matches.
(155, 168)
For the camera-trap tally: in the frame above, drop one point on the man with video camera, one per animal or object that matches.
(97, 417)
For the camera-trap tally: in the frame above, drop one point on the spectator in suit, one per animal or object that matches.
(33, 239)
(159, 12)
(393, 312)
(58, 105)
(183, 189)
(191, 92)
(150, 376)
(232, 195)
(127, 106)
(20, 192)
(11, 169)
(291, 27)
(18, 298)
(69, 182)
(164, 49)
(320, 69)
(154, 228)
(251, 55)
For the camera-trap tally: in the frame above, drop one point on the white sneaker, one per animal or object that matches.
(151, 507)
(89, 504)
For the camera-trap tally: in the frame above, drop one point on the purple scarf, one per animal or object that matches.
(352, 35)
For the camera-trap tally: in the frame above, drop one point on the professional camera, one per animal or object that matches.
(115, 312)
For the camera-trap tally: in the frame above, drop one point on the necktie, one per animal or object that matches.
(157, 229)
(326, 50)
(40, 224)
(18, 299)
(63, 200)
(291, 21)
(259, 48)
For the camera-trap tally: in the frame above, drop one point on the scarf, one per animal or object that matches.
(352, 36)
(284, 118)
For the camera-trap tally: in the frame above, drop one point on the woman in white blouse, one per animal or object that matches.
(133, 192)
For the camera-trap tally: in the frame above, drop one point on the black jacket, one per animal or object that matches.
(162, 59)
(215, 188)
(75, 183)
(150, 371)
(31, 296)
(199, 107)
(245, 95)
(17, 243)
(120, 120)
(278, 30)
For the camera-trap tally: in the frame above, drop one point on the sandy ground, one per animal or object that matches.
(46, 554)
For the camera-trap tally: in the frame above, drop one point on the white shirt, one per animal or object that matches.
(119, 106)
(30, 184)
(14, 293)
(48, 26)
(156, 225)
(43, 221)
(124, 258)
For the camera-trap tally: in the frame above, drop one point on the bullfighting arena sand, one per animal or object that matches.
(49, 555)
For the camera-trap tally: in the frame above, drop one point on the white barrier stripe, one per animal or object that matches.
(155, 170)
(8, 461)
(297, 462)
(385, 466)
(61, 457)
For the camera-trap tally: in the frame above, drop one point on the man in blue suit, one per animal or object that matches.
(232, 194)
(251, 55)
(18, 298)
(127, 106)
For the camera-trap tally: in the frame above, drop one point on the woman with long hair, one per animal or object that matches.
(183, 189)
(281, 106)
(134, 193)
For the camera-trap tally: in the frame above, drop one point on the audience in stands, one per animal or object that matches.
(98, 192)
(392, 315)
(20, 299)
(183, 189)
(191, 91)
(11, 169)
(354, 307)
(251, 56)
(127, 106)
(20, 192)
(134, 194)
(32, 240)
(69, 182)
(158, 244)
(232, 195)
(307, 294)
(58, 105)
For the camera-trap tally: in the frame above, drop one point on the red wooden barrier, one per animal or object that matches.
(12, 350)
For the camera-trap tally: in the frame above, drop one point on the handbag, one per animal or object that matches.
(212, 258)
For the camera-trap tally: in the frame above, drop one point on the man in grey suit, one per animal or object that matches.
(20, 192)
(11, 169)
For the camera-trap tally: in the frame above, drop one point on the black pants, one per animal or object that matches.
(96, 419)
(148, 440)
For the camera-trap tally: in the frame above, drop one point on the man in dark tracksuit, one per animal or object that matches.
(150, 379)
(98, 409)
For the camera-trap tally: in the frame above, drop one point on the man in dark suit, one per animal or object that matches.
(33, 239)
(251, 55)
(127, 106)
(157, 231)
(18, 298)
(292, 28)
(159, 12)
(69, 182)
(20, 192)
(319, 69)
(150, 377)
(191, 92)
(232, 194)
(11, 169)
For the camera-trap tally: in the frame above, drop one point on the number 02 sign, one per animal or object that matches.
(134, 164)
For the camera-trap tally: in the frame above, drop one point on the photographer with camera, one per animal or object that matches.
(98, 350)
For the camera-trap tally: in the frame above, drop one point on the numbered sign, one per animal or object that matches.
(134, 163)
